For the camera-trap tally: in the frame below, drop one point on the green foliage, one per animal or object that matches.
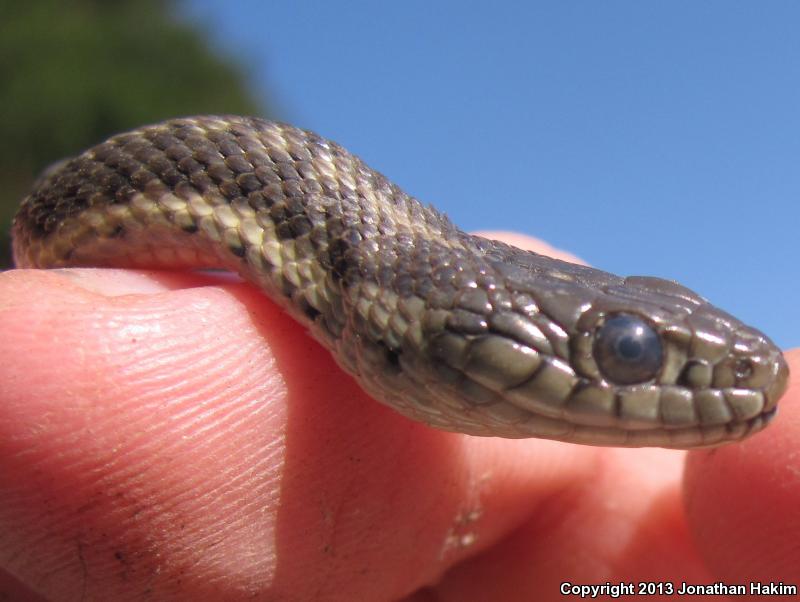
(76, 72)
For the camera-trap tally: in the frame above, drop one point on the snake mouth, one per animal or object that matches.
(711, 417)
(678, 438)
(735, 432)
(769, 415)
(725, 425)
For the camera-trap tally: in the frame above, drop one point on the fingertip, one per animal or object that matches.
(742, 499)
(206, 414)
(523, 241)
(135, 423)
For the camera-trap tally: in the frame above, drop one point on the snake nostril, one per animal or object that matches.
(743, 368)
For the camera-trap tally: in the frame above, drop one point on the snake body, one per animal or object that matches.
(460, 332)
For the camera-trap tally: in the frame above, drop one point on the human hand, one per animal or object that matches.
(176, 436)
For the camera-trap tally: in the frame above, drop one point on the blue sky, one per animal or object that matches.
(648, 138)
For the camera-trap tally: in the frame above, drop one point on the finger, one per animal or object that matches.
(173, 433)
(111, 445)
(623, 522)
(12, 588)
(532, 244)
(742, 499)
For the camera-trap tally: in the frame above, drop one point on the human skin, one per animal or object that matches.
(174, 436)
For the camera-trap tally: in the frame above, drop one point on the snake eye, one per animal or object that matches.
(627, 350)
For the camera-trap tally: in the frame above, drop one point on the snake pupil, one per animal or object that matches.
(627, 350)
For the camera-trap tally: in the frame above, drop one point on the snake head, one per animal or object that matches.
(683, 372)
(536, 347)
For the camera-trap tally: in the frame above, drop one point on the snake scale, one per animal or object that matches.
(460, 332)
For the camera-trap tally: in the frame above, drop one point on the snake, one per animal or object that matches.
(457, 331)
